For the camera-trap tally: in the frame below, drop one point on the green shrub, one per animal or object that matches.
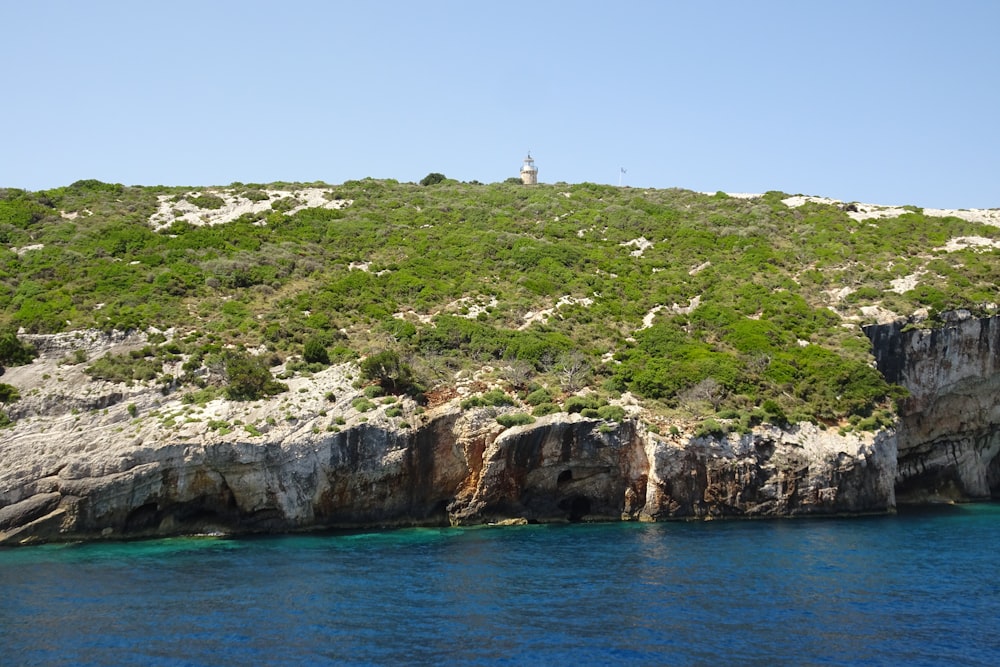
(255, 195)
(389, 371)
(710, 428)
(284, 204)
(373, 391)
(394, 411)
(538, 397)
(315, 352)
(124, 368)
(543, 409)
(200, 396)
(773, 413)
(515, 419)
(13, 352)
(249, 378)
(613, 413)
(494, 397)
(580, 403)
(432, 178)
(362, 404)
(207, 201)
(220, 426)
(340, 353)
(9, 393)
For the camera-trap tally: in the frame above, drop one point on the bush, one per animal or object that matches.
(538, 397)
(362, 404)
(315, 352)
(124, 368)
(9, 393)
(543, 409)
(580, 403)
(208, 201)
(612, 413)
(710, 428)
(248, 378)
(494, 397)
(432, 178)
(773, 413)
(13, 352)
(389, 371)
(515, 419)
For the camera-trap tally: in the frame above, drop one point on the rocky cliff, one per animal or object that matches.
(92, 459)
(949, 432)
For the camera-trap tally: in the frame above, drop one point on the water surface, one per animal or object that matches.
(915, 589)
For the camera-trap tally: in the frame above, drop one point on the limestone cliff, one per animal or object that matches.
(949, 433)
(771, 472)
(93, 459)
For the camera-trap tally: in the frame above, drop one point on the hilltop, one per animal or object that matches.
(720, 310)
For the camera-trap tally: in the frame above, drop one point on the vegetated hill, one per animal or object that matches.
(748, 309)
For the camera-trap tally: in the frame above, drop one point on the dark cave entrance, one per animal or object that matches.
(577, 507)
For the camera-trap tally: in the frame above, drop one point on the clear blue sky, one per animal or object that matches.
(880, 102)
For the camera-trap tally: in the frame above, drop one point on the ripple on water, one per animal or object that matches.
(915, 589)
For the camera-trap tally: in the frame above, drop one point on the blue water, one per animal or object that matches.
(914, 589)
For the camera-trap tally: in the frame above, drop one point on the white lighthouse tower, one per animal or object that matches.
(529, 172)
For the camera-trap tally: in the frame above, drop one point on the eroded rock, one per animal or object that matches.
(949, 433)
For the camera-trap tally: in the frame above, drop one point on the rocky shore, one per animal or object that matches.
(89, 459)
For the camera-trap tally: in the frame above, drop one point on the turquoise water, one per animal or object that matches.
(914, 589)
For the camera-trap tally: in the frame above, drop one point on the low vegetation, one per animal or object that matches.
(708, 307)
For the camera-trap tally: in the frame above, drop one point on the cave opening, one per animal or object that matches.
(565, 477)
(577, 507)
(142, 518)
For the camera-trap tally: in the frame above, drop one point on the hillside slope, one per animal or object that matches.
(727, 311)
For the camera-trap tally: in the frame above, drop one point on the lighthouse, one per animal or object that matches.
(529, 172)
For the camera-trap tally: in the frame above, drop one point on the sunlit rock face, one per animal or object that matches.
(458, 467)
(801, 471)
(949, 433)
(365, 475)
(89, 459)
(563, 467)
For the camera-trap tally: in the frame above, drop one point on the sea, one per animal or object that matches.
(916, 588)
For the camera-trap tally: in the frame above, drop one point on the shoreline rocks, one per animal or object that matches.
(101, 461)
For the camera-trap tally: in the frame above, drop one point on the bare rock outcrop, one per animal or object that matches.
(450, 470)
(949, 432)
(563, 467)
(771, 472)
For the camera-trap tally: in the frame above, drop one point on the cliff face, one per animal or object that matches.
(66, 482)
(949, 432)
(771, 473)
(93, 459)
